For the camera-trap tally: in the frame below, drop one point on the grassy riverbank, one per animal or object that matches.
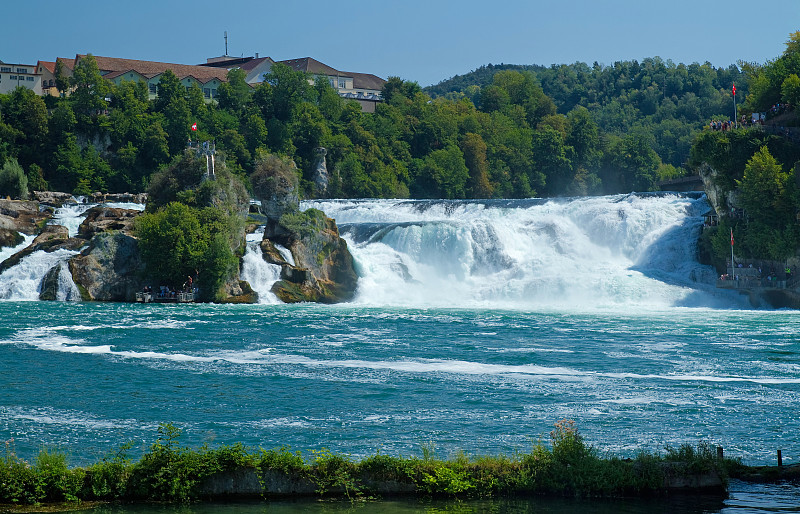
(168, 472)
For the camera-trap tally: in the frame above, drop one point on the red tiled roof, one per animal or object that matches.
(152, 68)
(366, 81)
(313, 66)
(68, 63)
(49, 66)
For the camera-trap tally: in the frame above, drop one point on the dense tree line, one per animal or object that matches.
(666, 103)
(506, 139)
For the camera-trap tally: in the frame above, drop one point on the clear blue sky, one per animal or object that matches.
(426, 41)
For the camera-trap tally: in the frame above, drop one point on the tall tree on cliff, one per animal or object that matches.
(90, 91)
(171, 102)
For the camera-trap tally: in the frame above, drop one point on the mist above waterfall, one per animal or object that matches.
(595, 252)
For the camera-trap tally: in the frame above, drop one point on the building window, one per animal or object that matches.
(213, 93)
(22, 70)
(13, 77)
(342, 83)
(207, 92)
(5, 69)
(30, 79)
(330, 79)
(152, 88)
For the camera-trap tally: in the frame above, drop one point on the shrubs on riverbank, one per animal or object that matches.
(172, 473)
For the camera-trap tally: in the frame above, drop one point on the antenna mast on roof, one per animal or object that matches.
(226, 42)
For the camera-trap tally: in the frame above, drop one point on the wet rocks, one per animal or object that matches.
(323, 270)
(22, 216)
(103, 219)
(110, 269)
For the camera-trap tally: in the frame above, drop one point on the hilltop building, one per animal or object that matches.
(116, 70)
(364, 88)
(16, 75)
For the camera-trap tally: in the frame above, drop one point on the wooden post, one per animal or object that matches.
(719, 452)
(780, 459)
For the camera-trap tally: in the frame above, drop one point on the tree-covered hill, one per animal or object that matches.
(669, 102)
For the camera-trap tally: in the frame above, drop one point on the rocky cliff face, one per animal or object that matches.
(323, 270)
(109, 269)
(722, 201)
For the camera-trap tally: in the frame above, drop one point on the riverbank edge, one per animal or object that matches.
(169, 473)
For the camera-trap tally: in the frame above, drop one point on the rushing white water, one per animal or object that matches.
(24, 281)
(67, 290)
(260, 274)
(8, 251)
(70, 216)
(596, 252)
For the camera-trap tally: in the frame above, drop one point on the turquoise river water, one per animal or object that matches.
(476, 327)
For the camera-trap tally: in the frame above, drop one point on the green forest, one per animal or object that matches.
(498, 132)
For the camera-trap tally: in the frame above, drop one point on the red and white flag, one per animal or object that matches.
(734, 90)
(731, 237)
(194, 127)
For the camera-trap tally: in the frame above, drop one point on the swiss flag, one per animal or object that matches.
(194, 127)
(734, 90)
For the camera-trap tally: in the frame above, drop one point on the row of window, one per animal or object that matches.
(20, 77)
(207, 91)
(342, 83)
(8, 69)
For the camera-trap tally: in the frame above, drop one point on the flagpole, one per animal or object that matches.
(733, 268)
(735, 120)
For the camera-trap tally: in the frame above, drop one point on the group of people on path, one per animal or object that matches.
(166, 292)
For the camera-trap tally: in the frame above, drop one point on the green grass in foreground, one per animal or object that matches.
(173, 473)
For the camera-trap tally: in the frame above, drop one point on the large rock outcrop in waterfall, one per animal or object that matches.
(103, 219)
(323, 267)
(323, 270)
(109, 269)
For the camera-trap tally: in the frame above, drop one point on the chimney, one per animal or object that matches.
(256, 55)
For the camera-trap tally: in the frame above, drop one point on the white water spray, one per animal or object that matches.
(24, 281)
(260, 274)
(70, 216)
(8, 251)
(599, 252)
(67, 290)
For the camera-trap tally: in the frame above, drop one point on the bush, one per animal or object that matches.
(13, 181)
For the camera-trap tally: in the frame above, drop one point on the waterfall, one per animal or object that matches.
(70, 216)
(8, 251)
(24, 281)
(260, 274)
(634, 250)
(67, 290)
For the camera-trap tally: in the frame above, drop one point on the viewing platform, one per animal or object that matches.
(172, 297)
(773, 282)
(758, 274)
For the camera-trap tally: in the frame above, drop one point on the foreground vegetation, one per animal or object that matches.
(173, 473)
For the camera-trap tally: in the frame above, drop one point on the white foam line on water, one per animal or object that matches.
(44, 339)
(49, 416)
